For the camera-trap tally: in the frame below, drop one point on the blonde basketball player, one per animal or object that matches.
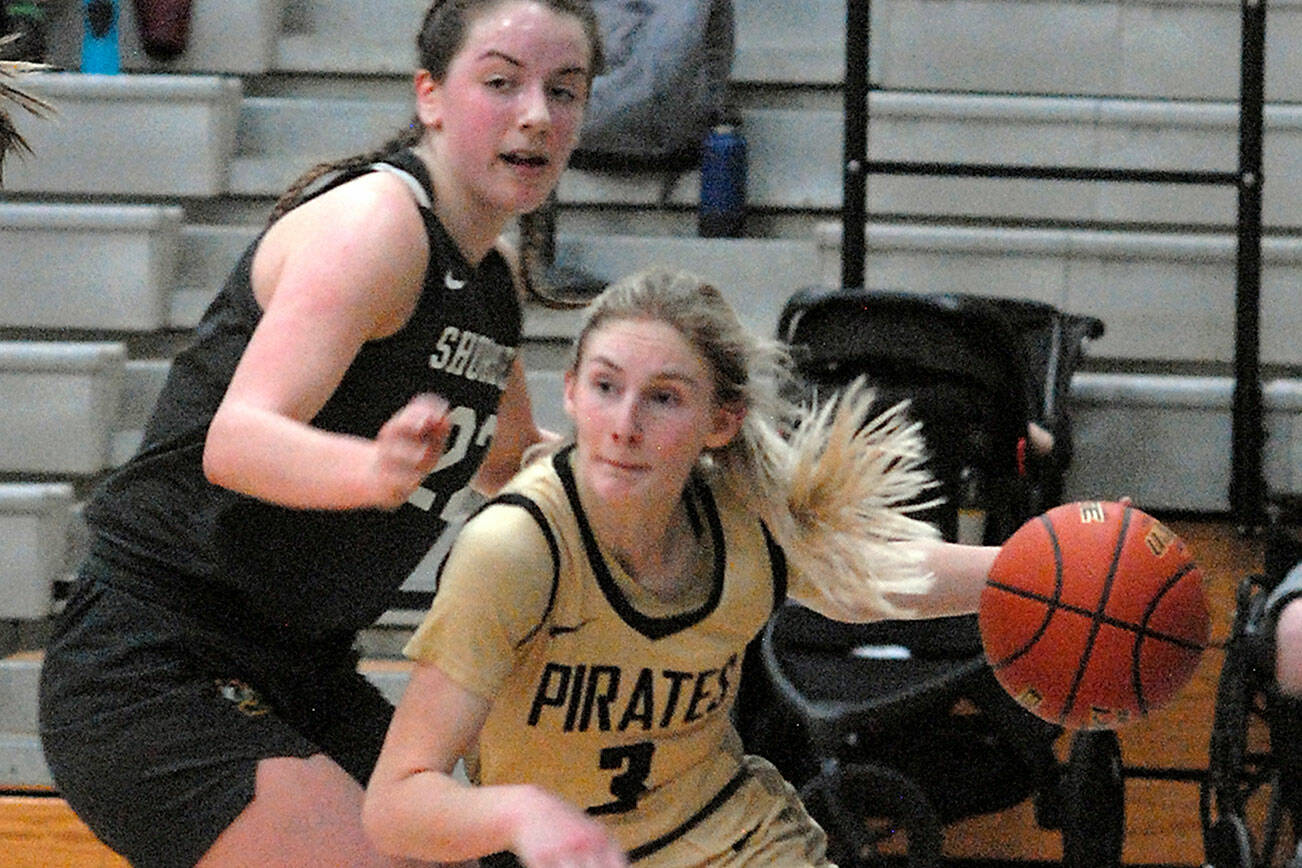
(584, 648)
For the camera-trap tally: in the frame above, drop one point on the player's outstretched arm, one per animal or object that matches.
(959, 573)
(415, 808)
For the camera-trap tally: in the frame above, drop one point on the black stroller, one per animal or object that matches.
(892, 730)
(1254, 779)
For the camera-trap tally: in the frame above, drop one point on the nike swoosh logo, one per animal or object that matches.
(451, 282)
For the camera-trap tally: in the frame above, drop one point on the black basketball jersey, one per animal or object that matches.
(319, 570)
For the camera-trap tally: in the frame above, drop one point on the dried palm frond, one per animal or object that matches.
(11, 141)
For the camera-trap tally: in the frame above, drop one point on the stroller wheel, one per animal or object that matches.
(873, 815)
(1093, 802)
(1228, 844)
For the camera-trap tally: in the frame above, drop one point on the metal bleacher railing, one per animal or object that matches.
(1248, 496)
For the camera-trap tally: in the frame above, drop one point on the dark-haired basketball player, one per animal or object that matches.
(201, 702)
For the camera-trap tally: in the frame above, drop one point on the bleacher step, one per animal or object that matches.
(35, 519)
(130, 135)
(390, 676)
(22, 764)
(755, 274)
(87, 266)
(21, 761)
(1166, 441)
(280, 137)
(208, 252)
(1082, 132)
(1183, 49)
(1115, 274)
(19, 677)
(144, 380)
(1097, 47)
(61, 399)
(229, 37)
(759, 273)
(1165, 296)
(1174, 50)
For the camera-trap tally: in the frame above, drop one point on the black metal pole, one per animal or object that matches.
(854, 185)
(1247, 483)
(1054, 173)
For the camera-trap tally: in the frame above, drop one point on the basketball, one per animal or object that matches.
(1093, 615)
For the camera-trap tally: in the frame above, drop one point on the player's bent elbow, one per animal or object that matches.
(217, 458)
(226, 453)
(214, 469)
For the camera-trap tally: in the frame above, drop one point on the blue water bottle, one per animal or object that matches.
(99, 44)
(722, 209)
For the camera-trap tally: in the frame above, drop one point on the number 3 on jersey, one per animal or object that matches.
(628, 786)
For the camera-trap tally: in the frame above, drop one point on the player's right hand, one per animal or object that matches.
(407, 448)
(554, 834)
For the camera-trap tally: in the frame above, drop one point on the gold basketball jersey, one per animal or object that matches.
(618, 702)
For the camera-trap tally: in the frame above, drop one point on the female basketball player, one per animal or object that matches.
(200, 702)
(584, 647)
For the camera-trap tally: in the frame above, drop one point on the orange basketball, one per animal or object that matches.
(1093, 615)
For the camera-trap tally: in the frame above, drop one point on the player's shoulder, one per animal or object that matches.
(378, 200)
(511, 512)
(511, 530)
(374, 205)
(361, 244)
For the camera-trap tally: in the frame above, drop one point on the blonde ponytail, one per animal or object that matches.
(838, 496)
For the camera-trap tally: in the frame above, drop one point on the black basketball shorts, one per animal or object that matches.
(153, 729)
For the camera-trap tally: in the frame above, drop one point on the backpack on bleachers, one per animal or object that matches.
(665, 83)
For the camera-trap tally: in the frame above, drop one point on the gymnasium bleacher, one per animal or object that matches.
(145, 186)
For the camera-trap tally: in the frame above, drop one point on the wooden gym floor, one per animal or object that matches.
(1162, 822)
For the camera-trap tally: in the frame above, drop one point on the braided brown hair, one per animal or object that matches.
(441, 36)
